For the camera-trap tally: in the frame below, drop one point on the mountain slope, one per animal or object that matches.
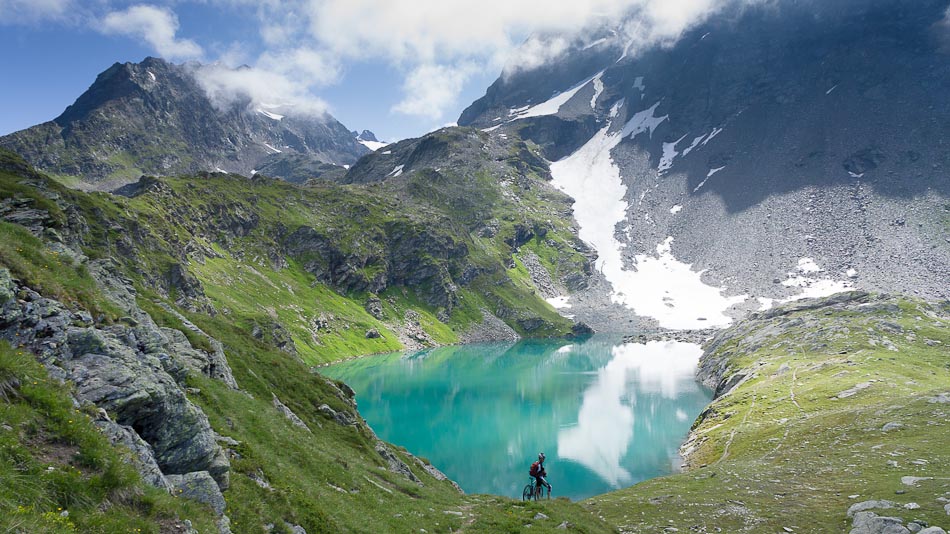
(155, 118)
(829, 414)
(329, 271)
(781, 150)
(210, 404)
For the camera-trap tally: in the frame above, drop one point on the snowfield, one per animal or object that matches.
(657, 285)
(552, 105)
(373, 145)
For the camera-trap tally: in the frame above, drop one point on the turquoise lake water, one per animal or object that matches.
(607, 415)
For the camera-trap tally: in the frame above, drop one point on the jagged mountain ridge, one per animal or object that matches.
(788, 148)
(155, 118)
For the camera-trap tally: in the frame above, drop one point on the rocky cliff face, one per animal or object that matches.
(155, 118)
(133, 371)
(781, 150)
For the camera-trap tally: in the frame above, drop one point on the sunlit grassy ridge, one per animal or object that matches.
(783, 450)
(232, 234)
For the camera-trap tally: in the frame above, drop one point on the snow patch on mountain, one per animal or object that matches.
(615, 109)
(270, 115)
(373, 145)
(600, 41)
(694, 144)
(658, 285)
(552, 105)
(715, 132)
(559, 303)
(598, 90)
(643, 121)
(396, 172)
(808, 265)
(276, 151)
(669, 154)
(708, 176)
(810, 286)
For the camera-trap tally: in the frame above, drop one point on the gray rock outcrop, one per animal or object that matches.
(871, 523)
(129, 371)
(199, 486)
(289, 414)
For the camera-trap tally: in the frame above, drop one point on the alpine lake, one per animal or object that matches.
(606, 414)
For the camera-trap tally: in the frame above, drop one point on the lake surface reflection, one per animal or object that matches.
(607, 414)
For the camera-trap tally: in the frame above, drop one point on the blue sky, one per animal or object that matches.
(49, 64)
(398, 67)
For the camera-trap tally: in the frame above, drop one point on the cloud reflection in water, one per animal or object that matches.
(608, 413)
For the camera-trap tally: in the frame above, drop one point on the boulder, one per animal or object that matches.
(289, 414)
(341, 418)
(143, 396)
(395, 464)
(142, 456)
(871, 523)
(374, 307)
(870, 505)
(198, 486)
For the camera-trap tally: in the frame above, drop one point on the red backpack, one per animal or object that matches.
(535, 469)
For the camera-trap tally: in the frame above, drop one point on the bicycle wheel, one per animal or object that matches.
(528, 492)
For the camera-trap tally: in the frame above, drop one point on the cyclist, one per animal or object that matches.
(537, 471)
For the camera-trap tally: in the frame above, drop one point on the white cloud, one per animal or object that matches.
(437, 43)
(431, 89)
(308, 66)
(157, 26)
(536, 51)
(30, 11)
(258, 88)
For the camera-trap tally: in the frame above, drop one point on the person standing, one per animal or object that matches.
(538, 472)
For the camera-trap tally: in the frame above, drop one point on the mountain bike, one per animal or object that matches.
(533, 491)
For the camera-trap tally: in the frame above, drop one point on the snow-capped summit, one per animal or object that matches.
(368, 139)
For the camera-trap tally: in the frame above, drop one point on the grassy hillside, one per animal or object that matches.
(298, 264)
(839, 404)
(328, 477)
(59, 474)
(821, 407)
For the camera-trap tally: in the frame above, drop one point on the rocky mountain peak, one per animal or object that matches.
(367, 135)
(155, 118)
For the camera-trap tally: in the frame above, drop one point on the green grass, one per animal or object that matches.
(49, 272)
(332, 480)
(292, 298)
(59, 474)
(782, 451)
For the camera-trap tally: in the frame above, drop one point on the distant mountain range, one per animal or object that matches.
(155, 118)
(773, 152)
